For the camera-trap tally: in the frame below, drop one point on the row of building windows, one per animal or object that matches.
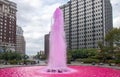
(87, 40)
(82, 13)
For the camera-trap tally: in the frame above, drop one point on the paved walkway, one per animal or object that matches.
(73, 63)
(104, 65)
(5, 66)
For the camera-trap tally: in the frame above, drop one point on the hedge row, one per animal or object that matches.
(89, 60)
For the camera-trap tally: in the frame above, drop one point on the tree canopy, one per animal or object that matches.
(113, 36)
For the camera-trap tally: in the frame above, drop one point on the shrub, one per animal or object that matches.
(114, 61)
(111, 61)
(88, 60)
(117, 61)
(13, 62)
(83, 53)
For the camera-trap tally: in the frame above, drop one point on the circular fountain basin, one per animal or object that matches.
(82, 71)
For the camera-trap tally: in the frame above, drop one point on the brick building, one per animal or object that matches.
(8, 11)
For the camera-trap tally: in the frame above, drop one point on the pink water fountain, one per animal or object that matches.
(57, 56)
(57, 66)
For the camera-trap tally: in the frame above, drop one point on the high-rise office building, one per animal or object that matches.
(20, 41)
(87, 22)
(46, 44)
(8, 11)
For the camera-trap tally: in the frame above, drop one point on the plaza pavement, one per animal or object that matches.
(72, 63)
(104, 65)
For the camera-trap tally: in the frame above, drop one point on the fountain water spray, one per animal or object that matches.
(57, 55)
(57, 62)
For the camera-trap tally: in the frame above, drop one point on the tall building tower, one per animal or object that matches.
(8, 11)
(87, 22)
(46, 44)
(20, 41)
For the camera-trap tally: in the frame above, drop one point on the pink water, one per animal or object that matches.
(83, 71)
(57, 55)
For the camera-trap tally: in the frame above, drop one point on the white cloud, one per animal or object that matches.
(34, 3)
(117, 22)
(114, 2)
(116, 12)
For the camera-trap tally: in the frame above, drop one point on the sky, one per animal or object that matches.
(34, 16)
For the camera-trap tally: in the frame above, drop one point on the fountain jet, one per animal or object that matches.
(57, 62)
(57, 55)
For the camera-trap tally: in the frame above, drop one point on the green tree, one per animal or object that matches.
(113, 37)
(104, 53)
(9, 55)
(107, 52)
(38, 55)
(25, 57)
(41, 56)
(82, 53)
